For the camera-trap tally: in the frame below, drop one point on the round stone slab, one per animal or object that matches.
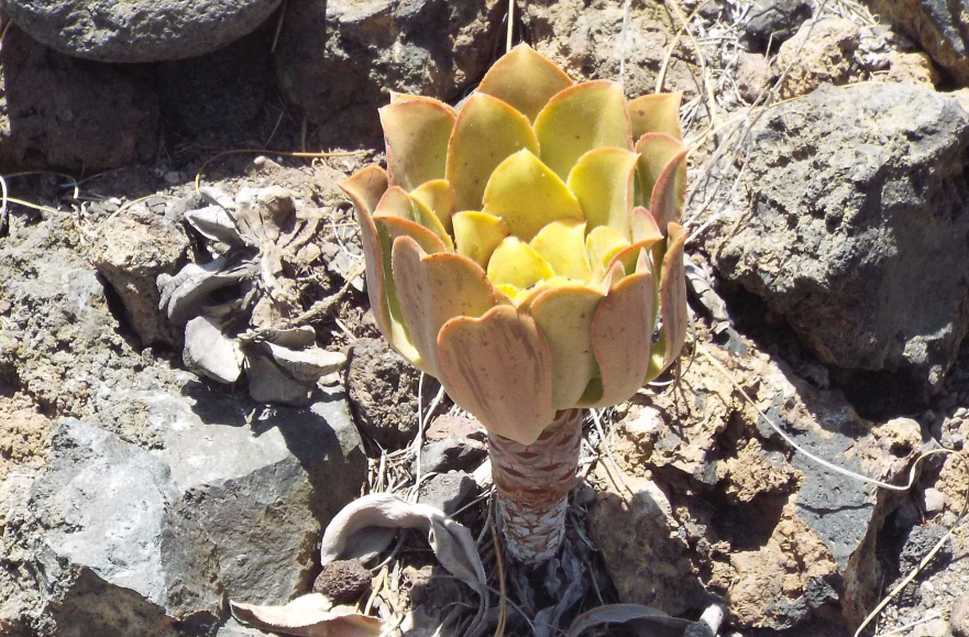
(138, 30)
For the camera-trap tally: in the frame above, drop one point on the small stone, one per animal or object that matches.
(959, 617)
(449, 425)
(934, 500)
(774, 21)
(753, 75)
(447, 491)
(343, 581)
(452, 453)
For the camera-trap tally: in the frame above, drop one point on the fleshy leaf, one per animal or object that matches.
(644, 225)
(499, 367)
(477, 234)
(375, 268)
(528, 196)
(673, 307)
(562, 244)
(564, 316)
(656, 113)
(438, 196)
(603, 182)
(659, 155)
(621, 331)
(395, 202)
(388, 229)
(631, 256)
(432, 289)
(487, 130)
(525, 79)
(416, 131)
(312, 614)
(428, 218)
(580, 118)
(517, 263)
(365, 187)
(602, 244)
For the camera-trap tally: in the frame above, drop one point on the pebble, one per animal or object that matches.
(934, 500)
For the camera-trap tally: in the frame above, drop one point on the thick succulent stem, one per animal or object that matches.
(533, 483)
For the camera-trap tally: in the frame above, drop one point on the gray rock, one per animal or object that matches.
(164, 536)
(383, 392)
(940, 27)
(130, 252)
(452, 453)
(773, 21)
(448, 491)
(851, 206)
(337, 60)
(56, 111)
(138, 30)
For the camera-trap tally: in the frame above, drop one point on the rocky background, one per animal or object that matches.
(141, 488)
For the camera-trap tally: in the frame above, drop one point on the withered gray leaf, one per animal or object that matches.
(208, 351)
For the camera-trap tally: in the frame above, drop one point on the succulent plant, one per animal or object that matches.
(525, 249)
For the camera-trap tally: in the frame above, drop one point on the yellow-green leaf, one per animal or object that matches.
(525, 79)
(580, 118)
(424, 215)
(528, 196)
(517, 263)
(487, 130)
(562, 244)
(602, 244)
(656, 113)
(477, 234)
(564, 316)
(416, 131)
(438, 196)
(602, 180)
(661, 154)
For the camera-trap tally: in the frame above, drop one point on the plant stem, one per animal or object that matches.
(533, 484)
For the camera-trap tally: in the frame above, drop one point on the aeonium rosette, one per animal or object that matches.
(525, 249)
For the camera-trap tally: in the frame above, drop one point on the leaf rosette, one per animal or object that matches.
(525, 249)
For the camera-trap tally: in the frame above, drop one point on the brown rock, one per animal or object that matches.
(700, 496)
(338, 60)
(343, 581)
(58, 111)
(753, 75)
(130, 252)
(584, 37)
(821, 52)
(914, 67)
(383, 392)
